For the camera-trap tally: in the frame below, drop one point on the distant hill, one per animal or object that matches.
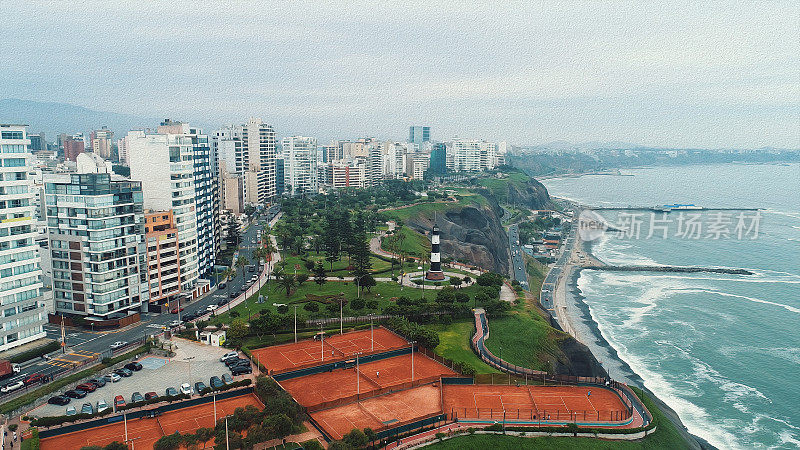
(55, 118)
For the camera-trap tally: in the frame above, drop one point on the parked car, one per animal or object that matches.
(228, 355)
(171, 392)
(11, 387)
(251, 268)
(222, 302)
(222, 285)
(112, 377)
(134, 366)
(88, 387)
(150, 395)
(136, 397)
(189, 316)
(118, 345)
(227, 379)
(244, 288)
(175, 310)
(186, 388)
(119, 401)
(235, 361)
(75, 393)
(175, 323)
(199, 386)
(99, 381)
(233, 294)
(87, 408)
(241, 370)
(211, 307)
(216, 382)
(59, 400)
(71, 411)
(123, 372)
(33, 378)
(102, 405)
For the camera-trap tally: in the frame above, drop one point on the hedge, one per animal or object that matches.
(50, 421)
(35, 353)
(32, 443)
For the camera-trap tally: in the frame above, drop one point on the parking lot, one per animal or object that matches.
(192, 362)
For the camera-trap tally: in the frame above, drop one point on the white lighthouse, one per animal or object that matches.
(435, 272)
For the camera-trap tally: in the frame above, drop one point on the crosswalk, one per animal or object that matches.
(72, 358)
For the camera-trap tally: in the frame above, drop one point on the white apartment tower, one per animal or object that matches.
(23, 311)
(164, 163)
(300, 165)
(467, 155)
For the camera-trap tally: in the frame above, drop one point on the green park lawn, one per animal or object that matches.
(526, 338)
(383, 292)
(454, 345)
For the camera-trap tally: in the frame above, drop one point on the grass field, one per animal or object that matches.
(454, 345)
(382, 293)
(536, 273)
(526, 339)
(413, 244)
(339, 267)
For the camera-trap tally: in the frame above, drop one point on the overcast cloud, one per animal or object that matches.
(693, 74)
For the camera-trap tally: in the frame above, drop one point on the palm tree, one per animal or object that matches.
(241, 263)
(287, 281)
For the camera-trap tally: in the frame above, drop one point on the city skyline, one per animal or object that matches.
(704, 76)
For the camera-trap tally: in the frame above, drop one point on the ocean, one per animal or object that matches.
(722, 350)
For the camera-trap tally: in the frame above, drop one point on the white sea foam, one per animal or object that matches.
(752, 299)
(696, 419)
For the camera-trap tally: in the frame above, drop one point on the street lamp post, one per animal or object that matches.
(412, 360)
(295, 324)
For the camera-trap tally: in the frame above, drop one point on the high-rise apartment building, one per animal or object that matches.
(164, 163)
(38, 142)
(23, 310)
(73, 146)
(251, 147)
(95, 226)
(466, 155)
(300, 165)
(163, 264)
(101, 142)
(417, 134)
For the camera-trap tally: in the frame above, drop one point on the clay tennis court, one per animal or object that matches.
(381, 412)
(287, 357)
(561, 403)
(146, 431)
(311, 390)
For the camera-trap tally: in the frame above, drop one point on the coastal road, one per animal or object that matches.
(552, 278)
(89, 343)
(517, 263)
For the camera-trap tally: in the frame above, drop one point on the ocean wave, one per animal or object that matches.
(792, 214)
(699, 421)
(752, 299)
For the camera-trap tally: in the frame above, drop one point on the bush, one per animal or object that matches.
(311, 306)
(357, 304)
(372, 304)
(283, 309)
(494, 427)
(35, 353)
(312, 444)
(440, 436)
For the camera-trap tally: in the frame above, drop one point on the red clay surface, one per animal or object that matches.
(381, 412)
(314, 389)
(146, 431)
(286, 357)
(524, 402)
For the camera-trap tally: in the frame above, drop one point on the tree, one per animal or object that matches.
(169, 442)
(355, 438)
(320, 277)
(265, 323)
(357, 303)
(467, 279)
(446, 295)
(116, 445)
(368, 281)
(288, 282)
(302, 278)
(241, 263)
(204, 435)
(311, 306)
(278, 425)
(238, 330)
(456, 282)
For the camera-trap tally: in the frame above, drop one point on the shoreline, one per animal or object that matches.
(574, 316)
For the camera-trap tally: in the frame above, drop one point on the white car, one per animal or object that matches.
(228, 356)
(186, 388)
(175, 323)
(118, 344)
(211, 307)
(112, 377)
(11, 387)
(102, 405)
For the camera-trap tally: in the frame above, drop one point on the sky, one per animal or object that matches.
(691, 74)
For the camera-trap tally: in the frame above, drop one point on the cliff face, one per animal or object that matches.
(531, 194)
(471, 234)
